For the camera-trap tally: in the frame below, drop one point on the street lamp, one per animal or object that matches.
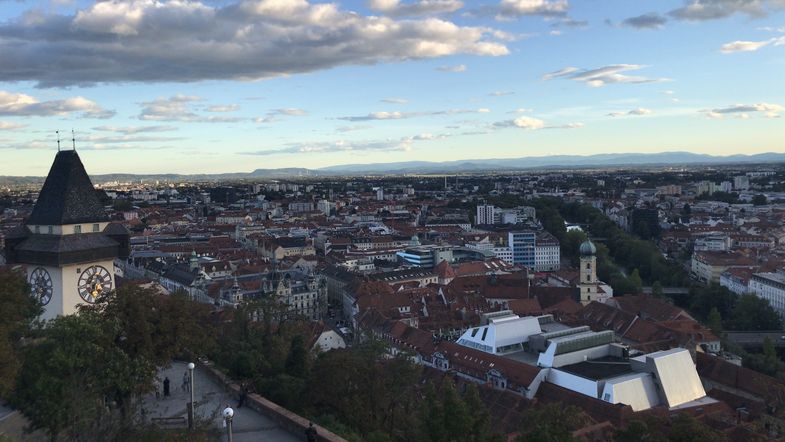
(191, 367)
(228, 413)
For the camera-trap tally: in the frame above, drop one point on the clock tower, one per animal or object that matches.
(67, 245)
(588, 273)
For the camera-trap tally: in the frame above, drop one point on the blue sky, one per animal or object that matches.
(193, 87)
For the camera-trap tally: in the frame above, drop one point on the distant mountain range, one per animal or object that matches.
(478, 165)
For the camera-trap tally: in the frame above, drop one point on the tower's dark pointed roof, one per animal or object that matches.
(68, 195)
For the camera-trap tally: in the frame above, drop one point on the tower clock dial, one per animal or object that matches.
(41, 285)
(94, 282)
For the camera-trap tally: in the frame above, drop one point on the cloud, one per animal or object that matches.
(570, 23)
(395, 8)
(743, 110)
(523, 122)
(7, 125)
(125, 139)
(510, 9)
(21, 105)
(650, 20)
(289, 112)
(602, 76)
(353, 128)
(135, 129)
(223, 108)
(501, 93)
(635, 112)
(577, 125)
(700, 10)
(179, 108)
(387, 145)
(396, 115)
(117, 41)
(750, 46)
(394, 100)
(456, 68)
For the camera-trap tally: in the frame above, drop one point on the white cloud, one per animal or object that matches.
(509, 9)
(456, 68)
(501, 93)
(394, 100)
(422, 7)
(135, 129)
(22, 105)
(404, 144)
(636, 111)
(184, 41)
(179, 108)
(7, 125)
(289, 111)
(700, 10)
(744, 110)
(396, 115)
(223, 108)
(604, 75)
(750, 46)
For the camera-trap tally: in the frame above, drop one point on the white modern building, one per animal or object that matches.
(771, 287)
(485, 214)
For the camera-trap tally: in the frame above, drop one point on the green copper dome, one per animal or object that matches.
(588, 248)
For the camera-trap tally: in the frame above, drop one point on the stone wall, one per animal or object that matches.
(289, 421)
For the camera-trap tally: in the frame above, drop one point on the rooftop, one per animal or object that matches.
(603, 368)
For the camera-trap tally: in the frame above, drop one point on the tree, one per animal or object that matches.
(19, 310)
(635, 279)
(714, 321)
(550, 423)
(656, 289)
(752, 313)
(759, 200)
(75, 381)
(297, 360)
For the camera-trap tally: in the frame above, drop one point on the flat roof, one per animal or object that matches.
(603, 368)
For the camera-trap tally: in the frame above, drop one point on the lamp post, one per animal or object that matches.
(191, 367)
(228, 413)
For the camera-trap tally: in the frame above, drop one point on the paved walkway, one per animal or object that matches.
(211, 398)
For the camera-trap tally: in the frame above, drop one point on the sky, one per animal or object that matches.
(177, 86)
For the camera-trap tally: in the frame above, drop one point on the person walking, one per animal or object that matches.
(157, 387)
(310, 433)
(166, 386)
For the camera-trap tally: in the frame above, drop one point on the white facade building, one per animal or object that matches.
(771, 287)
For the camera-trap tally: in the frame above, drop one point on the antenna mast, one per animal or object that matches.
(73, 140)
(58, 140)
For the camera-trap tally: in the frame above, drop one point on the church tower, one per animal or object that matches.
(68, 246)
(588, 273)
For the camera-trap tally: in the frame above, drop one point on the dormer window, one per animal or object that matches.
(37, 229)
(77, 228)
(95, 228)
(50, 229)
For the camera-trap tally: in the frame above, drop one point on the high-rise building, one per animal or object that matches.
(523, 246)
(741, 182)
(67, 245)
(485, 214)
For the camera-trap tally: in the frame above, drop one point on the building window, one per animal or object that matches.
(77, 229)
(50, 229)
(37, 229)
(95, 228)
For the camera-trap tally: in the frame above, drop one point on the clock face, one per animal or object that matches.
(41, 285)
(94, 282)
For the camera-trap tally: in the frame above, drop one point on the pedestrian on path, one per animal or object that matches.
(166, 386)
(185, 381)
(310, 433)
(157, 387)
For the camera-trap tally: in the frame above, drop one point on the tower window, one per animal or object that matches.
(77, 228)
(37, 229)
(95, 227)
(50, 229)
